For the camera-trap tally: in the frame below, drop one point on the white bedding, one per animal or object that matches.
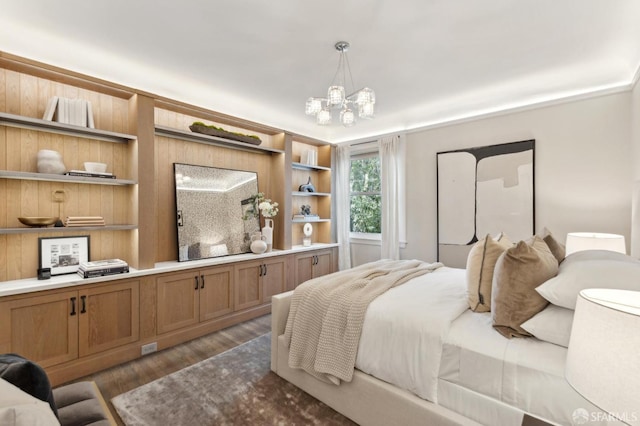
(404, 328)
(524, 373)
(422, 337)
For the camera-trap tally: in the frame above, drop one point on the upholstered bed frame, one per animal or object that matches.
(365, 400)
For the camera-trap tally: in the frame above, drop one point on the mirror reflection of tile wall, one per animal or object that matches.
(210, 204)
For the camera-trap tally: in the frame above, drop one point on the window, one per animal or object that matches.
(366, 199)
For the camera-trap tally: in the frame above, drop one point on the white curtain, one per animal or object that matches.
(342, 214)
(393, 195)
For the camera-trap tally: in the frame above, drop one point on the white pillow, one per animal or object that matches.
(18, 408)
(586, 255)
(552, 324)
(563, 289)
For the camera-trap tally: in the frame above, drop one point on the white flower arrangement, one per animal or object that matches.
(263, 205)
(268, 208)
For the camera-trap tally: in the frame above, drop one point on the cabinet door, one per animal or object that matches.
(177, 304)
(323, 263)
(43, 329)
(273, 278)
(304, 267)
(216, 292)
(108, 316)
(248, 291)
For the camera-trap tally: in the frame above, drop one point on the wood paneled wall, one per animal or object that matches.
(169, 151)
(28, 95)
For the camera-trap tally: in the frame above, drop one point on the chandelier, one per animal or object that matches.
(362, 100)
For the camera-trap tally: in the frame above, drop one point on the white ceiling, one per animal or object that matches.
(429, 61)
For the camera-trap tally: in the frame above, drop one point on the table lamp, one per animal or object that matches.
(578, 241)
(603, 360)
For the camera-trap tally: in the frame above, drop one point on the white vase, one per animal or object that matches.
(267, 231)
(258, 243)
(50, 162)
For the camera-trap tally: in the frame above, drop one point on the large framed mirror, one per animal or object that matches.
(210, 205)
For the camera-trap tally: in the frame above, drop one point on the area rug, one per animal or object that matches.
(235, 387)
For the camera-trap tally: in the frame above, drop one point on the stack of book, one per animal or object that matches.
(101, 268)
(85, 173)
(69, 111)
(84, 221)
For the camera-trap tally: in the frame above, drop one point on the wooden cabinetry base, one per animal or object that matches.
(62, 373)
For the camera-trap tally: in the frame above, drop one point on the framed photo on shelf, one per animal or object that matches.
(63, 254)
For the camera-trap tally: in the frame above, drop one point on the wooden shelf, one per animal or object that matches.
(6, 174)
(301, 166)
(310, 194)
(21, 122)
(213, 140)
(66, 229)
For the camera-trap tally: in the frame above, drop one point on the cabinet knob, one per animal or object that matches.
(201, 281)
(265, 271)
(197, 283)
(83, 310)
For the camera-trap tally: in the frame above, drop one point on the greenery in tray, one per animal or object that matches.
(211, 126)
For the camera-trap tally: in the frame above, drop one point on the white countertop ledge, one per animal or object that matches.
(31, 285)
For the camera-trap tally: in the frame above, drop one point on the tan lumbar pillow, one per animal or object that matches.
(518, 272)
(480, 264)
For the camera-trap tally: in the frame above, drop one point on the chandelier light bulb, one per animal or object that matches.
(324, 117)
(347, 117)
(366, 96)
(366, 110)
(335, 96)
(314, 105)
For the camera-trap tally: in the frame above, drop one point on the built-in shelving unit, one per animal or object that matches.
(320, 199)
(146, 135)
(138, 135)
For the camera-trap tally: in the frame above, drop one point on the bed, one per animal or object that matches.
(425, 358)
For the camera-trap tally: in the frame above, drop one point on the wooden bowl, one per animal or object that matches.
(38, 221)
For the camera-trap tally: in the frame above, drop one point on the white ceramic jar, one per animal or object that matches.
(50, 161)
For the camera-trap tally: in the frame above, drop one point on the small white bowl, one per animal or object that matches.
(95, 167)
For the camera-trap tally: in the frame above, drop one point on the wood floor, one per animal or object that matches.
(122, 378)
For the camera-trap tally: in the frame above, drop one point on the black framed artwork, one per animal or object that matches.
(63, 254)
(484, 190)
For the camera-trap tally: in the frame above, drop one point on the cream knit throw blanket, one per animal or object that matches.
(326, 315)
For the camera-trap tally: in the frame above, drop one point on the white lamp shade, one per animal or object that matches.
(579, 241)
(603, 360)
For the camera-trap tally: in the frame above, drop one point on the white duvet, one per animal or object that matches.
(404, 329)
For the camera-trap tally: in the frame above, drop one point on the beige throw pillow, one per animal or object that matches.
(518, 272)
(557, 248)
(480, 264)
